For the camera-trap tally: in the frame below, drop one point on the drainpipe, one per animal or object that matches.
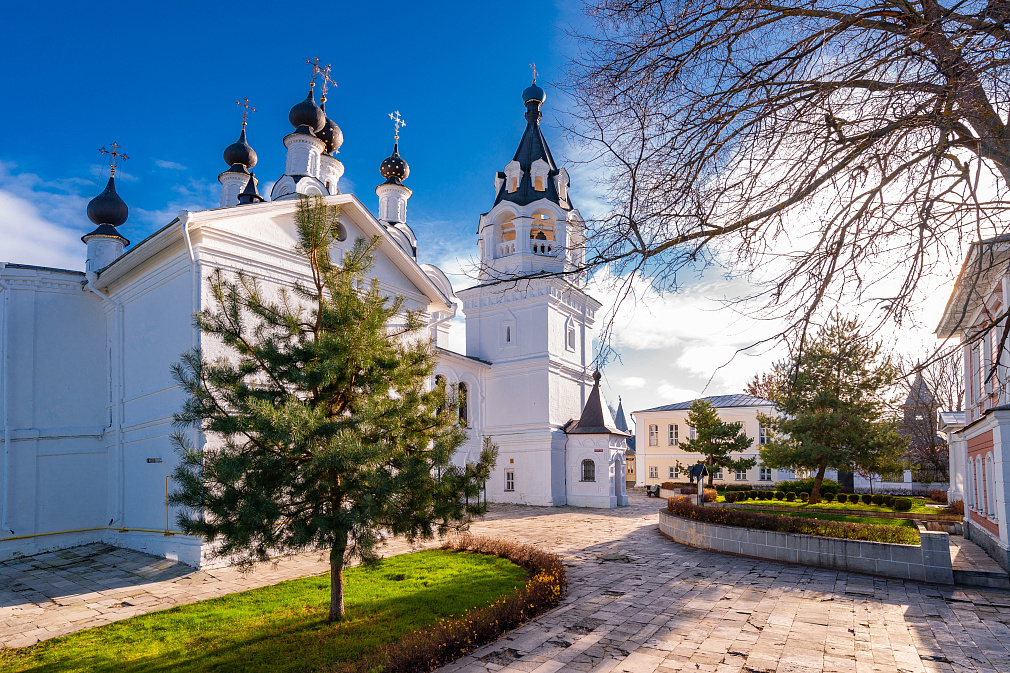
(4, 364)
(115, 383)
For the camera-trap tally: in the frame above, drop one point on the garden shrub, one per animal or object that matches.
(877, 499)
(827, 497)
(793, 524)
(711, 495)
(956, 507)
(668, 485)
(854, 498)
(800, 485)
(427, 649)
(790, 497)
(902, 504)
(730, 496)
(805, 497)
(763, 495)
(888, 500)
(866, 498)
(752, 494)
(689, 489)
(936, 495)
(779, 495)
(736, 487)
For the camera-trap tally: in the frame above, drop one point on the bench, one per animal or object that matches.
(652, 491)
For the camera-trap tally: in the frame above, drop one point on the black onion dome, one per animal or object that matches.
(394, 168)
(107, 207)
(330, 133)
(239, 152)
(307, 113)
(534, 93)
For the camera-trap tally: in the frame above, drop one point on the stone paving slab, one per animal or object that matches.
(637, 602)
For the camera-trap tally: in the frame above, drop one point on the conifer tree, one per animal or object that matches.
(716, 440)
(834, 401)
(322, 432)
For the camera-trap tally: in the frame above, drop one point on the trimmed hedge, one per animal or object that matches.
(779, 495)
(866, 498)
(791, 524)
(828, 497)
(427, 649)
(888, 500)
(877, 499)
(790, 497)
(902, 504)
(854, 498)
(801, 485)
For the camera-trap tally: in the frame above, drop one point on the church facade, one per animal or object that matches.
(87, 394)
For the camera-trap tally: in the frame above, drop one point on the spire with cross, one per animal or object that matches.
(316, 69)
(114, 154)
(246, 109)
(533, 67)
(397, 123)
(324, 73)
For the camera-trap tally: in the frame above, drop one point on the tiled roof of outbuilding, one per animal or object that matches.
(719, 402)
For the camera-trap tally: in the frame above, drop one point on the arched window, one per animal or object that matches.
(970, 485)
(570, 334)
(464, 416)
(588, 470)
(990, 487)
(440, 381)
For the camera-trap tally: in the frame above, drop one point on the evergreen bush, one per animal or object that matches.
(827, 497)
(877, 500)
(801, 485)
(888, 500)
(866, 498)
(902, 504)
(779, 495)
(804, 497)
(854, 498)
(790, 497)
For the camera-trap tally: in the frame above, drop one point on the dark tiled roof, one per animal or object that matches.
(532, 146)
(919, 395)
(596, 418)
(719, 402)
(620, 422)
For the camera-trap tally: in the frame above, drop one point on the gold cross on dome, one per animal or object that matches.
(533, 67)
(316, 69)
(397, 122)
(327, 81)
(244, 103)
(114, 155)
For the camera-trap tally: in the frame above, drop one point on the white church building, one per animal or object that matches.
(86, 393)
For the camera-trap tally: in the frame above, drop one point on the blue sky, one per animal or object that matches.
(161, 80)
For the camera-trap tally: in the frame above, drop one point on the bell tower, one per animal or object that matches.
(530, 318)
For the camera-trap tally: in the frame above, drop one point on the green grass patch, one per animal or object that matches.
(823, 516)
(283, 627)
(918, 505)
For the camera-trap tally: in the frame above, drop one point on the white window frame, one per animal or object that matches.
(764, 434)
(674, 472)
(717, 474)
(674, 435)
(570, 335)
(765, 474)
(692, 433)
(741, 475)
(653, 435)
(510, 481)
(653, 472)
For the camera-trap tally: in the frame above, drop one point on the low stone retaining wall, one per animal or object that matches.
(918, 516)
(929, 562)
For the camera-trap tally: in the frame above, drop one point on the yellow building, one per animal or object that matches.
(660, 430)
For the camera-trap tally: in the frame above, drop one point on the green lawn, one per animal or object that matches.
(918, 505)
(876, 521)
(283, 627)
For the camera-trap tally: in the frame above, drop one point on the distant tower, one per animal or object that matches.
(107, 211)
(240, 158)
(393, 194)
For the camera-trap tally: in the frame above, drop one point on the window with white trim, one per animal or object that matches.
(510, 480)
(570, 334)
(741, 475)
(764, 434)
(766, 474)
(674, 472)
(674, 438)
(717, 474)
(653, 435)
(692, 433)
(653, 472)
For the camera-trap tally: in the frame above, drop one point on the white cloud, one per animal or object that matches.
(632, 382)
(171, 165)
(29, 238)
(668, 392)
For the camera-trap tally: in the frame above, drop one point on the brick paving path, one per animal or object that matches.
(654, 607)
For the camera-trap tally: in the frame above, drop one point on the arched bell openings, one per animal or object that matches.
(505, 234)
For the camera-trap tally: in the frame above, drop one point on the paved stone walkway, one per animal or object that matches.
(657, 607)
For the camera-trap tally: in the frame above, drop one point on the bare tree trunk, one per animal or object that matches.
(337, 579)
(815, 492)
